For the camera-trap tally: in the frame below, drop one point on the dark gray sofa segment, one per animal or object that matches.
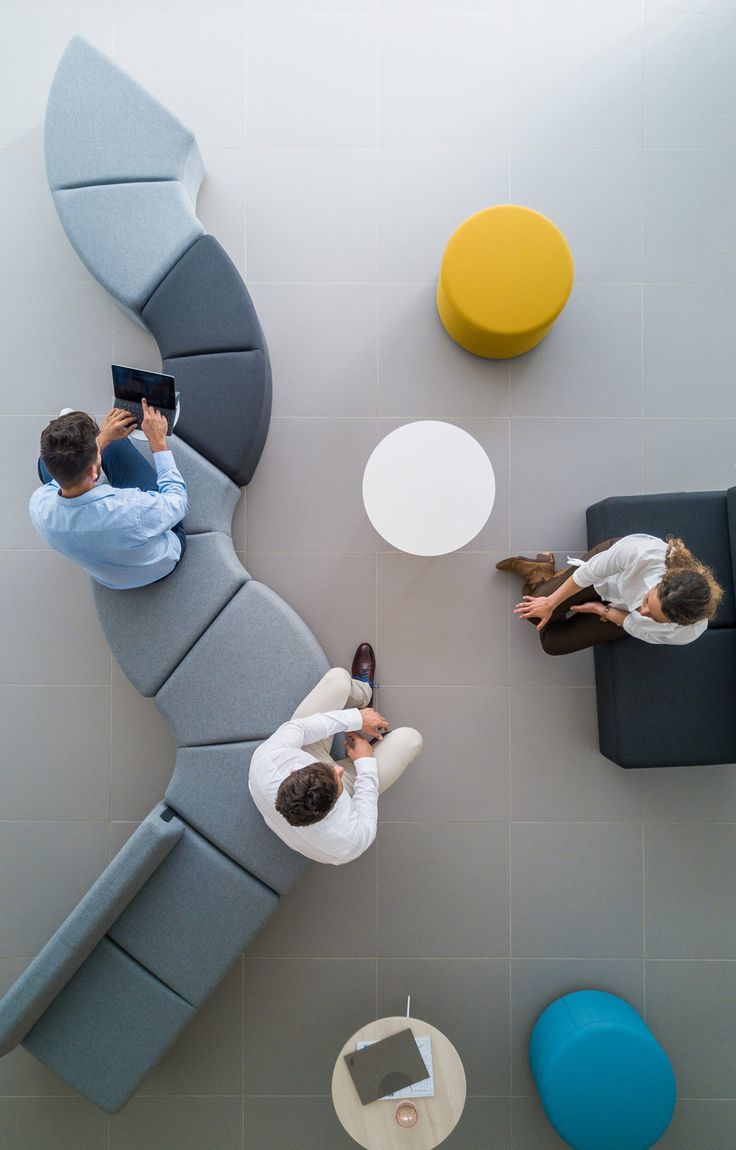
(225, 407)
(109, 1027)
(152, 628)
(671, 706)
(209, 789)
(202, 306)
(246, 675)
(195, 915)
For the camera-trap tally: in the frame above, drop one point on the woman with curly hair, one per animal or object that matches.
(654, 590)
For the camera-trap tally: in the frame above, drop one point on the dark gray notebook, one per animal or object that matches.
(386, 1066)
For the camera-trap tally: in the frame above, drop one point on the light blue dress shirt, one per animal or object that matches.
(121, 536)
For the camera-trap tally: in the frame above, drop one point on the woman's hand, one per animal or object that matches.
(535, 607)
(588, 609)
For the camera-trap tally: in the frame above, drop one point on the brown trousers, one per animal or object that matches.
(564, 635)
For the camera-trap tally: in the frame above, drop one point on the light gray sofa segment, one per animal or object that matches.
(212, 496)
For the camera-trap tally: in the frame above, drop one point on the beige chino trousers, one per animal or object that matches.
(336, 691)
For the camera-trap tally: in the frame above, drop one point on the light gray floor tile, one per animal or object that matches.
(689, 875)
(493, 436)
(34, 247)
(306, 1123)
(312, 80)
(331, 913)
(531, 1127)
(590, 363)
(20, 1072)
(443, 890)
(132, 344)
(594, 197)
(290, 1002)
(424, 195)
(45, 868)
(700, 1126)
(306, 495)
(462, 773)
(416, 111)
(56, 752)
(20, 437)
(691, 1009)
(442, 6)
(442, 620)
(587, 6)
(47, 620)
(694, 454)
(323, 345)
(690, 794)
(693, 112)
(178, 1124)
(52, 1124)
(335, 595)
(485, 1125)
(555, 57)
(208, 1057)
(576, 890)
(119, 835)
(423, 373)
(558, 468)
(530, 665)
(312, 216)
(221, 201)
(467, 999)
(689, 347)
(143, 754)
(70, 365)
(536, 983)
(193, 64)
(557, 771)
(238, 525)
(31, 43)
(678, 231)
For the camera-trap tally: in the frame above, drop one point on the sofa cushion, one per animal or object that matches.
(246, 675)
(109, 1026)
(202, 305)
(698, 517)
(225, 407)
(193, 917)
(209, 789)
(102, 127)
(662, 706)
(150, 629)
(129, 235)
(212, 496)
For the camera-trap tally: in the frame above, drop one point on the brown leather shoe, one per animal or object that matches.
(532, 571)
(364, 668)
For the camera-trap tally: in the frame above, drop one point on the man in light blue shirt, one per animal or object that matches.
(124, 533)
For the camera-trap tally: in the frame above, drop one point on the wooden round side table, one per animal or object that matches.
(374, 1126)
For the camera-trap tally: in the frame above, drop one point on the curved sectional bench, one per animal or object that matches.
(226, 659)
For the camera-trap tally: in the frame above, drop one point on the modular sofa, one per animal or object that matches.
(225, 657)
(664, 706)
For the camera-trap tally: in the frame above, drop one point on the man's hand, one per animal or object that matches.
(117, 424)
(374, 725)
(154, 427)
(357, 747)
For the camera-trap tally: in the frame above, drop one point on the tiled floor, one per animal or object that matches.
(344, 140)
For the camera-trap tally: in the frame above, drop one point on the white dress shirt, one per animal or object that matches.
(350, 827)
(623, 574)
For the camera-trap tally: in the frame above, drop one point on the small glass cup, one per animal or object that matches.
(406, 1114)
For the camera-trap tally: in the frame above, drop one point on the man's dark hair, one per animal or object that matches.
(69, 446)
(307, 795)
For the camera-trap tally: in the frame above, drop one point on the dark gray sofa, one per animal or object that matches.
(671, 706)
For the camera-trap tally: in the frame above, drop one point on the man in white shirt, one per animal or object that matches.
(324, 809)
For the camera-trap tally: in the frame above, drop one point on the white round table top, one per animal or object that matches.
(374, 1126)
(428, 488)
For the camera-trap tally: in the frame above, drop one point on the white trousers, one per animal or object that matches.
(336, 691)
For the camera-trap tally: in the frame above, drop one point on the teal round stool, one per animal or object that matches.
(604, 1080)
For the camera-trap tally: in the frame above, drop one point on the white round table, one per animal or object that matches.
(374, 1126)
(428, 488)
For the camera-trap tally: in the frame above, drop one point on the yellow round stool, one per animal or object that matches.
(506, 275)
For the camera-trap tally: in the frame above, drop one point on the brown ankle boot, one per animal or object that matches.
(532, 571)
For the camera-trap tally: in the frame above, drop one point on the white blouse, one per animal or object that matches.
(622, 575)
